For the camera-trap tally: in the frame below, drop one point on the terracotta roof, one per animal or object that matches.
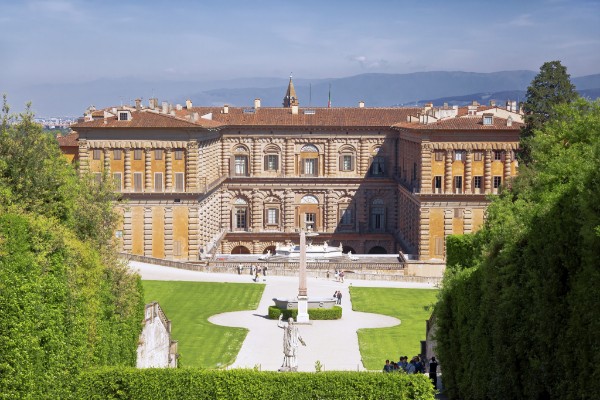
(147, 119)
(69, 140)
(463, 111)
(474, 122)
(279, 116)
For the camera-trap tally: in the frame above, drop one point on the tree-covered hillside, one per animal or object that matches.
(66, 301)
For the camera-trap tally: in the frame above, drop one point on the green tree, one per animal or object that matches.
(551, 86)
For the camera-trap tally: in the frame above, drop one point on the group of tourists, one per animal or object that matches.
(338, 295)
(339, 276)
(255, 271)
(417, 365)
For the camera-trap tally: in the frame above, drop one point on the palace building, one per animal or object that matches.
(197, 181)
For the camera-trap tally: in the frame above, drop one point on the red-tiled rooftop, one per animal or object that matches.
(474, 122)
(271, 116)
(69, 140)
(146, 119)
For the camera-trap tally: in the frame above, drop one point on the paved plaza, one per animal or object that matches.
(333, 343)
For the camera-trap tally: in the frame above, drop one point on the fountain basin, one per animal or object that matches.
(313, 302)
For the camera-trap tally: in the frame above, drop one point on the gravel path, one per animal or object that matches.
(333, 343)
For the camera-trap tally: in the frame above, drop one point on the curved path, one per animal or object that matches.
(333, 343)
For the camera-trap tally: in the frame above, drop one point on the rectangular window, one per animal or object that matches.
(346, 162)
(310, 166)
(117, 154)
(179, 154)
(477, 156)
(378, 218)
(240, 218)
(137, 182)
(310, 220)
(158, 182)
(240, 165)
(117, 180)
(272, 216)
(437, 182)
(346, 217)
(179, 182)
(158, 154)
(271, 162)
(378, 166)
(123, 116)
(458, 182)
(477, 182)
(459, 155)
(137, 154)
(497, 182)
(439, 156)
(498, 155)
(97, 154)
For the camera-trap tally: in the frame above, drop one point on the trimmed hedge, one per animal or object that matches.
(190, 383)
(313, 313)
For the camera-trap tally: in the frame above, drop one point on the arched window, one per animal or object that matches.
(240, 161)
(309, 160)
(347, 159)
(272, 207)
(378, 215)
(239, 215)
(377, 163)
(271, 161)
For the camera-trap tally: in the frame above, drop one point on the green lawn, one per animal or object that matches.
(189, 304)
(408, 305)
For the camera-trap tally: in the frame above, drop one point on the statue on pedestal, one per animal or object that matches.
(291, 340)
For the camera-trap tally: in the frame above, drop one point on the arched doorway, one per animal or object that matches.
(347, 249)
(377, 250)
(269, 248)
(240, 250)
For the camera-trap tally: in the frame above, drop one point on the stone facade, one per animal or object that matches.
(205, 180)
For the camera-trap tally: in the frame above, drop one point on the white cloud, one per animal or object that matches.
(522, 20)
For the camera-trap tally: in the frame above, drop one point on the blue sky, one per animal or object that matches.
(74, 41)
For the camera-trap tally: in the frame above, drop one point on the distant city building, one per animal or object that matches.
(200, 180)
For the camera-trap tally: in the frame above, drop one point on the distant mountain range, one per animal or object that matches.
(376, 90)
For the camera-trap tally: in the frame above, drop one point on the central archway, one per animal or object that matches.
(377, 250)
(240, 250)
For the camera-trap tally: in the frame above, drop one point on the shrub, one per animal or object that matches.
(313, 313)
(191, 383)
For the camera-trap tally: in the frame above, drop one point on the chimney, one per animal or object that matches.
(153, 103)
(179, 107)
(492, 103)
(256, 104)
(188, 104)
(509, 121)
(165, 107)
(225, 109)
(138, 104)
(507, 105)
(294, 109)
(361, 104)
(195, 117)
(445, 105)
(513, 106)
(475, 103)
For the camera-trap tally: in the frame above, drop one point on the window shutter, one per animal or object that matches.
(341, 162)
(266, 159)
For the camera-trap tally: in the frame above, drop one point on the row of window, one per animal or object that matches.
(117, 154)
(458, 182)
(460, 155)
(138, 181)
(308, 165)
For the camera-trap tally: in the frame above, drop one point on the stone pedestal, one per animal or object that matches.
(302, 317)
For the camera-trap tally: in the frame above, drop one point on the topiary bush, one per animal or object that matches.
(313, 313)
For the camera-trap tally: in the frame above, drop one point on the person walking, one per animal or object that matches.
(433, 364)
(339, 297)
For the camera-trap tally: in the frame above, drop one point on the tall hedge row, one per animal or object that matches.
(190, 383)
(66, 302)
(521, 319)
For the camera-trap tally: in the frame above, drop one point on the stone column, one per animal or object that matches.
(507, 165)
(468, 171)
(303, 316)
(426, 183)
(127, 231)
(84, 157)
(148, 231)
(193, 233)
(423, 232)
(169, 233)
(168, 169)
(256, 222)
(468, 221)
(148, 168)
(448, 172)
(191, 166)
(487, 172)
(127, 168)
(107, 161)
(288, 208)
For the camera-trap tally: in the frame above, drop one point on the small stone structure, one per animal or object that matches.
(155, 347)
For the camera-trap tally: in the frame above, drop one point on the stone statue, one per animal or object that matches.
(325, 245)
(341, 247)
(291, 339)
